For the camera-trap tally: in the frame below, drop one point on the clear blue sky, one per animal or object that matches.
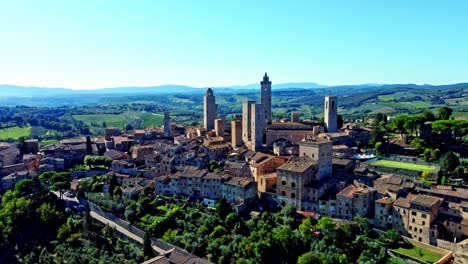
(97, 43)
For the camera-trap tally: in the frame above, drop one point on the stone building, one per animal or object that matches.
(210, 112)
(265, 99)
(257, 126)
(294, 132)
(292, 179)
(320, 151)
(31, 146)
(236, 133)
(295, 117)
(383, 213)
(219, 127)
(246, 121)
(167, 125)
(330, 114)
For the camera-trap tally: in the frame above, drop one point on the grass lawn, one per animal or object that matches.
(420, 253)
(403, 165)
(48, 142)
(395, 261)
(150, 119)
(111, 120)
(15, 132)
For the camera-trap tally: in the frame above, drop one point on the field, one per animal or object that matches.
(420, 253)
(111, 120)
(136, 119)
(403, 165)
(15, 132)
(150, 119)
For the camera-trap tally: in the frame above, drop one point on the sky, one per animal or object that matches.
(114, 43)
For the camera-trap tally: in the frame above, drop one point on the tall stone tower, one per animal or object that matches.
(246, 120)
(236, 133)
(167, 125)
(257, 126)
(330, 114)
(219, 127)
(265, 98)
(210, 109)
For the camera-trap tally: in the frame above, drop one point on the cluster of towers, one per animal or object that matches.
(250, 129)
(255, 117)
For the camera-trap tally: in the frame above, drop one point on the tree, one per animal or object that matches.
(392, 238)
(89, 149)
(450, 162)
(437, 154)
(308, 258)
(444, 112)
(427, 115)
(326, 225)
(223, 208)
(113, 183)
(427, 154)
(378, 148)
(418, 144)
(47, 213)
(147, 249)
(340, 121)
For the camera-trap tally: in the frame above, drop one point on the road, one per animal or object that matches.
(116, 226)
(71, 201)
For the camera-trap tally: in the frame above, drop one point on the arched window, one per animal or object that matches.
(293, 184)
(283, 183)
(293, 195)
(283, 193)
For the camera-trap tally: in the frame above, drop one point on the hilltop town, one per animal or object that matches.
(384, 169)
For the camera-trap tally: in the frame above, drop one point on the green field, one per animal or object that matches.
(111, 120)
(136, 119)
(420, 253)
(48, 142)
(150, 119)
(15, 132)
(403, 165)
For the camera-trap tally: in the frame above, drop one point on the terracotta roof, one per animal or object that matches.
(426, 200)
(384, 200)
(298, 164)
(240, 182)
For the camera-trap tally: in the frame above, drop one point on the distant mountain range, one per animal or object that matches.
(7, 91)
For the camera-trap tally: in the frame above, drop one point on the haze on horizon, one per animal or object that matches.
(98, 44)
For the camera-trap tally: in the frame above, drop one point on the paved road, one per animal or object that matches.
(116, 226)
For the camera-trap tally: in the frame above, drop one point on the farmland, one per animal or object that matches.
(15, 132)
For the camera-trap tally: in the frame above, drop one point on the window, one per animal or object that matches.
(283, 183)
(410, 228)
(413, 213)
(423, 215)
(412, 220)
(293, 195)
(423, 223)
(283, 193)
(420, 230)
(293, 184)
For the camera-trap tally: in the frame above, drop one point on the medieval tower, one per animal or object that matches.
(265, 98)
(167, 125)
(330, 114)
(210, 112)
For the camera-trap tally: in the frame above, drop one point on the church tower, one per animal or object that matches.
(210, 112)
(265, 98)
(330, 114)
